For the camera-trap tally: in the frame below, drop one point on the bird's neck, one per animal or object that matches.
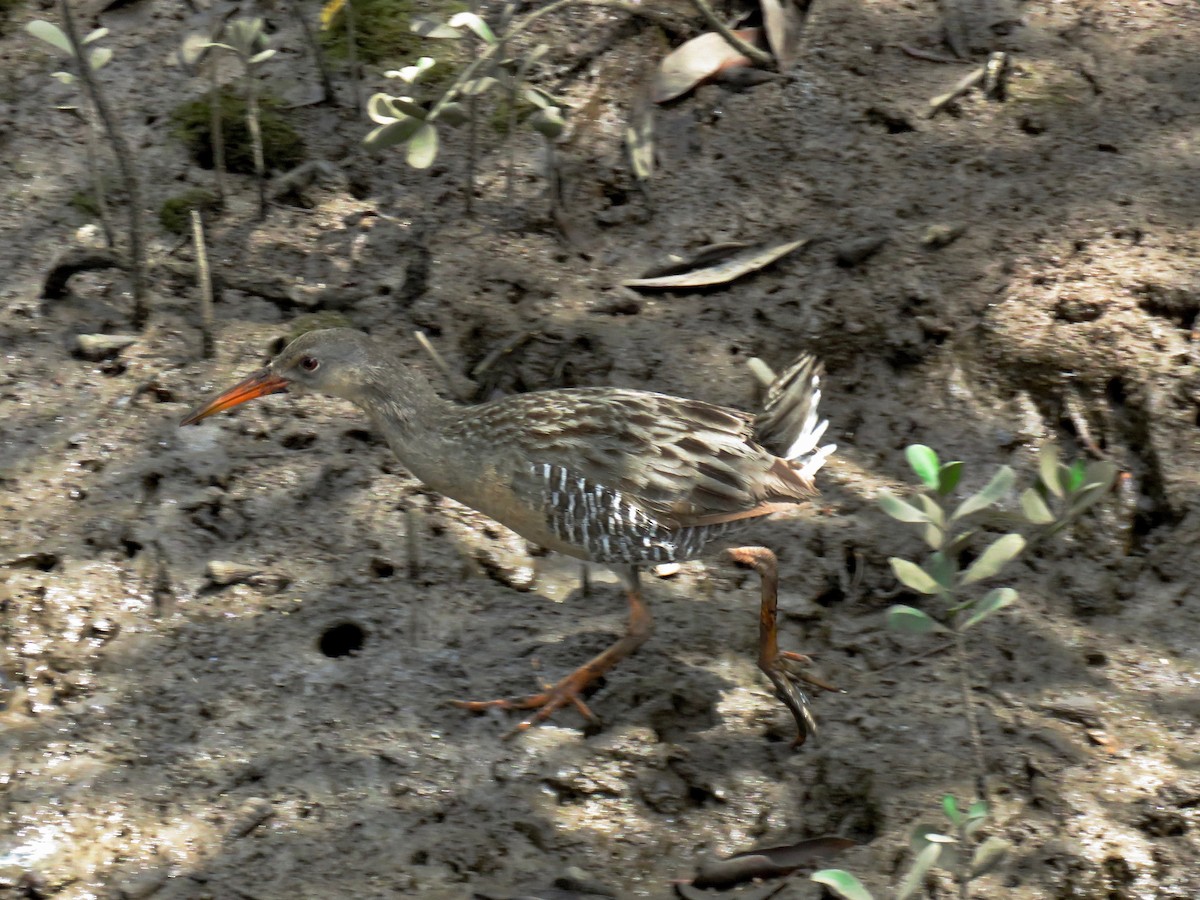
(410, 416)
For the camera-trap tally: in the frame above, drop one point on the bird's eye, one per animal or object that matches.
(309, 363)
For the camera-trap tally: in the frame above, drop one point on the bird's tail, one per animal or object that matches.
(788, 425)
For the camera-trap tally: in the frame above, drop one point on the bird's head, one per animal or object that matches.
(335, 361)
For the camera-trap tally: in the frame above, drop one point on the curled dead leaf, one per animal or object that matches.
(698, 60)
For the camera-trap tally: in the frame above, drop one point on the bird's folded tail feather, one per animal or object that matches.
(789, 425)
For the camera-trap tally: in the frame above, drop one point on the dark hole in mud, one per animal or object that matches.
(831, 596)
(343, 639)
(381, 568)
(132, 548)
(299, 440)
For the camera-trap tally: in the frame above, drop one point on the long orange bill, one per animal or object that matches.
(259, 384)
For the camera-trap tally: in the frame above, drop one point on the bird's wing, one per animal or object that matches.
(684, 462)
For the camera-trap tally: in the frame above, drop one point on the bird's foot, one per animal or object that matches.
(786, 672)
(553, 698)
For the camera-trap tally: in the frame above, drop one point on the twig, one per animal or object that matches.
(120, 148)
(318, 57)
(207, 344)
(216, 115)
(918, 53)
(759, 57)
(964, 84)
(252, 122)
(453, 379)
(93, 161)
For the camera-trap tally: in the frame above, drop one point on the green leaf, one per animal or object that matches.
(64, 77)
(423, 147)
(993, 601)
(391, 134)
(948, 477)
(909, 620)
(841, 883)
(913, 576)
(51, 34)
(915, 878)
(924, 462)
(408, 107)
(988, 855)
(476, 24)
(261, 56)
(1035, 508)
(900, 510)
(1102, 473)
(1000, 485)
(93, 36)
(412, 74)
(994, 558)
(950, 808)
(429, 27)
(1048, 469)
(99, 57)
(943, 567)
(1075, 476)
(978, 810)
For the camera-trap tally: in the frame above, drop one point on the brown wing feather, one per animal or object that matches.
(685, 461)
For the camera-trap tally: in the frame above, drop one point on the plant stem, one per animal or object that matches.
(216, 119)
(260, 167)
(759, 57)
(964, 677)
(120, 148)
(207, 344)
(472, 114)
(93, 161)
(352, 55)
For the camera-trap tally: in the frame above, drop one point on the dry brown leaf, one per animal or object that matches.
(727, 270)
(696, 61)
(771, 862)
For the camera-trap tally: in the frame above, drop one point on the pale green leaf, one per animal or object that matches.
(993, 601)
(99, 57)
(51, 34)
(935, 513)
(475, 23)
(915, 879)
(64, 77)
(1048, 469)
(841, 883)
(988, 856)
(999, 554)
(453, 114)
(913, 576)
(549, 123)
(408, 107)
(1000, 485)
(900, 510)
(380, 109)
(429, 27)
(933, 536)
(924, 462)
(477, 86)
(94, 35)
(909, 620)
(423, 147)
(1035, 508)
(261, 56)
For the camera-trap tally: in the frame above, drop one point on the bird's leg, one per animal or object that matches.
(568, 691)
(776, 664)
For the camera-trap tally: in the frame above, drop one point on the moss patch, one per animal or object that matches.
(383, 34)
(176, 212)
(283, 147)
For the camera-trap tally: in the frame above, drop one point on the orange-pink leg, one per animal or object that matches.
(568, 690)
(780, 666)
